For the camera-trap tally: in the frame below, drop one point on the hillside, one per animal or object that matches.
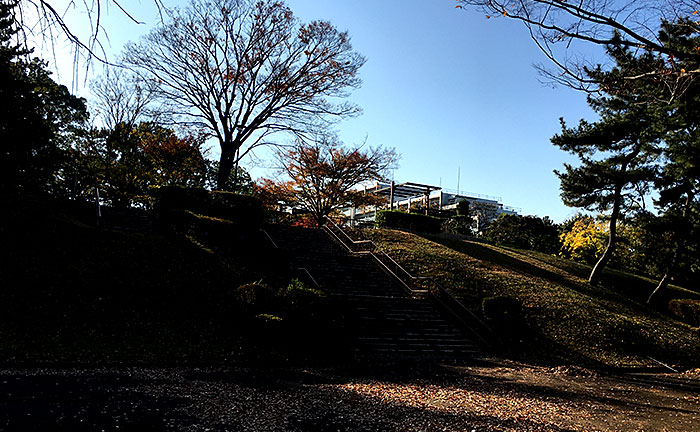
(75, 293)
(565, 319)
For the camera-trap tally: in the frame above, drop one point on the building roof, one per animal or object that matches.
(404, 190)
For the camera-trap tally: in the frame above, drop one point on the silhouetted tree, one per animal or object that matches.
(560, 28)
(36, 116)
(245, 70)
(127, 163)
(525, 232)
(120, 96)
(617, 153)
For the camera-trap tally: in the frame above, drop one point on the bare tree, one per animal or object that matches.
(557, 26)
(120, 96)
(47, 22)
(244, 71)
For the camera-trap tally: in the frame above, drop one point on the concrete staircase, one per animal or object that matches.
(386, 321)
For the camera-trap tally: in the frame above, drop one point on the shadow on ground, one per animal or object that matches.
(481, 397)
(84, 401)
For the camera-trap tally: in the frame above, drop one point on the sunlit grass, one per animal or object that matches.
(567, 319)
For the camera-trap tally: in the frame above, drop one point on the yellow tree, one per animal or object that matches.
(585, 241)
(321, 177)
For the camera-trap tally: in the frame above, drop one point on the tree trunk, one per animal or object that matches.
(228, 152)
(225, 167)
(680, 245)
(234, 186)
(663, 283)
(597, 271)
(661, 286)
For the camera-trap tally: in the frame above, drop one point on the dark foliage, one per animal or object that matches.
(238, 181)
(127, 162)
(408, 221)
(524, 232)
(501, 308)
(258, 296)
(458, 224)
(686, 309)
(463, 208)
(75, 293)
(504, 315)
(176, 205)
(244, 209)
(36, 115)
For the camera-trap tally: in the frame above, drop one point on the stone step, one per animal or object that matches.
(399, 349)
(404, 352)
(412, 333)
(436, 321)
(387, 321)
(442, 341)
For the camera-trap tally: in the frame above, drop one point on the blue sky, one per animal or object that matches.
(450, 89)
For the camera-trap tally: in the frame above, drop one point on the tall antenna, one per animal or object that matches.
(458, 176)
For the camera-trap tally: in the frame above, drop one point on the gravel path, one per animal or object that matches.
(494, 397)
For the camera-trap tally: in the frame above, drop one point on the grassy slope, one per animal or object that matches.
(75, 293)
(567, 319)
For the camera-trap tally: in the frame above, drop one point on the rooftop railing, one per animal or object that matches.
(473, 195)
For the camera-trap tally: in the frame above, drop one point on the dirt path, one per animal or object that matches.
(490, 397)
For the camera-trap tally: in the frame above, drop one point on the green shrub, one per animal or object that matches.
(298, 291)
(242, 209)
(524, 232)
(169, 198)
(685, 309)
(458, 224)
(267, 318)
(408, 221)
(258, 296)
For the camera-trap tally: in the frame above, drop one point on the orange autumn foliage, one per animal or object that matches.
(322, 177)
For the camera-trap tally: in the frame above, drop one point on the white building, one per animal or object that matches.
(429, 199)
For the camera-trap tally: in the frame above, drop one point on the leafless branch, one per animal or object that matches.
(629, 23)
(247, 70)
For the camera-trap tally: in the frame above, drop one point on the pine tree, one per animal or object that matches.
(34, 114)
(679, 179)
(648, 136)
(617, 153)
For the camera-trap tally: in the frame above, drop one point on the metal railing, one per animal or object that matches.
(436, 292)
(473, 195)
(380, 257)
(272, 242)
(302, 271)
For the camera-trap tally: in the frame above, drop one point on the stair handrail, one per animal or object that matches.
(302, 270)
(461, 313)
(380, 257)
(347, 241)
(449, 302)
(308, 274)
(269, 238)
